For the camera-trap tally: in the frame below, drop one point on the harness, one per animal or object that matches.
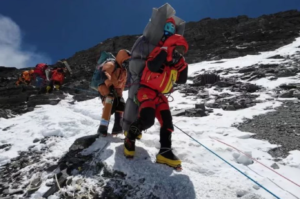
(158, 95)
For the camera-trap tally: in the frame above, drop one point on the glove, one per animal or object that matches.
(181, 65)
(112, 91)
(169, 51)
(176, 57)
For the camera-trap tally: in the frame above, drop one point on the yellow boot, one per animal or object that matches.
(129, 142)
(138, 137)
(166, 155)
(129, 147)
(57, 87)
(48, 89)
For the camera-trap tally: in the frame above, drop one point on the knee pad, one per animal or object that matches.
(120, 107)
(147, 117)
(167, 120)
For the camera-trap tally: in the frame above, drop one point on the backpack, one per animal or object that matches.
(99, 77)
(58, 76)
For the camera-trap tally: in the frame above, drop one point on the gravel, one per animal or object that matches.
(281, 127)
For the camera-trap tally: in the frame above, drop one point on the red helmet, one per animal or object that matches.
(171, 20)
(170, 27)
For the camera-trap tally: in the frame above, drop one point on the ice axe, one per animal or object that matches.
(67, 65)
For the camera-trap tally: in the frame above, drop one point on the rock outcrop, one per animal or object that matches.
(209, 39)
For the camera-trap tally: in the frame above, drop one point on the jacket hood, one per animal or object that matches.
(122, 56)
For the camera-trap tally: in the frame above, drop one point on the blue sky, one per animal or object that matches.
(48, 30)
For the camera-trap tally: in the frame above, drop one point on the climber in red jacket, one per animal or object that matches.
(164, 67)
(57, 79)
(41, 75)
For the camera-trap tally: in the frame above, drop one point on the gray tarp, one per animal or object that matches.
(143, 46)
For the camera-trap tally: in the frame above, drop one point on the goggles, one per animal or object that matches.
(169, 28)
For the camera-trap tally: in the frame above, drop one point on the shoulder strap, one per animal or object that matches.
(116, 66)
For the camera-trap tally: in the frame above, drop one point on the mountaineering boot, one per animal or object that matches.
(117, 129)
(140, 135)
(129, 142)
(48, 88)
(165, 154)
(129, 147)
(57, 87)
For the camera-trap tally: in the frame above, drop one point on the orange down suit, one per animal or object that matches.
(117, 76)
(26, 77)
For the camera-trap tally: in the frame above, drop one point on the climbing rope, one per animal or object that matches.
(273, 182)
(228, 163)
(255, 161)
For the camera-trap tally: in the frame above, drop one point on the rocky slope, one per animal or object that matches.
(209, 39)
(279, 127)
(230, 93)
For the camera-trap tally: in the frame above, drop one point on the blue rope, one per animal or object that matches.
(228, 163)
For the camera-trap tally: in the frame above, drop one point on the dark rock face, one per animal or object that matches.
(242, 99)
(12, 176)
(16, 100)
(279, 127)
(272, 71)
(199, 111)
(233, 37)
(209, 39)
(234, 103)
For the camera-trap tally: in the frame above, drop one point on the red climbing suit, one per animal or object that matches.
(158, 78)
(58, 76)
(163, 81)
(40, 70)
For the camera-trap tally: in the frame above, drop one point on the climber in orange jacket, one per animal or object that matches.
(164, 67)
(26, 77)
(115, 75)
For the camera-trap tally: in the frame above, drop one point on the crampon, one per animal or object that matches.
(176, 168)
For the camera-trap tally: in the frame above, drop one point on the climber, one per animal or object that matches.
(57, 78)
(41, 73)
(114, 73)
(164, 66)
(26, 77)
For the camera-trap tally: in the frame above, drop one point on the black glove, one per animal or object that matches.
(176, 57)
(112, 91)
